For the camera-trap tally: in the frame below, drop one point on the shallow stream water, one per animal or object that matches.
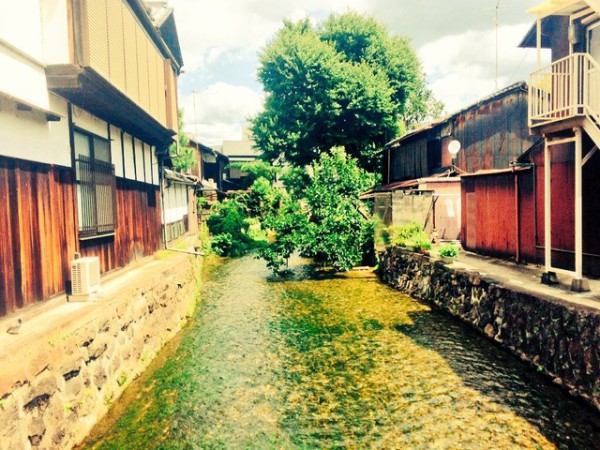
(316, 360)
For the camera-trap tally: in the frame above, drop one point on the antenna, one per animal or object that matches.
(496, 23)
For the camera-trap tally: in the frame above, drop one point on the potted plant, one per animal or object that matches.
(448, 252)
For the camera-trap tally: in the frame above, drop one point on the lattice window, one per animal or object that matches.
(96, 186)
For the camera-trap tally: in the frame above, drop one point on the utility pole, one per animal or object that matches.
(198, 154)
(496, 22)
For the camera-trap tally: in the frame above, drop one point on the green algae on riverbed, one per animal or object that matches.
(336, 362)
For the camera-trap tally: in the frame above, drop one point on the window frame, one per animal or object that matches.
(96, 190)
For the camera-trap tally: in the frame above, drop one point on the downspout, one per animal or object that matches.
(389, 158)
(517, 217)
(535, 203)
(514, 165)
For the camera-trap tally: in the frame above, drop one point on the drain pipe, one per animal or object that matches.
(188, 252)
(514, 165)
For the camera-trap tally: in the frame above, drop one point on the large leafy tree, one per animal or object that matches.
(325, 223)
(346, 82)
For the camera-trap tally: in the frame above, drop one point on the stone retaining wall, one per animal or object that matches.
(557, 337)
(75, 374)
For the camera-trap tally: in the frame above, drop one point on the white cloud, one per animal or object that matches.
(209, 30)
(462, 68)
(220, 108)
(215, 133)
(457, 42)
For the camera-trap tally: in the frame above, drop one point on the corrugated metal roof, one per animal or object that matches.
(181, 178)
(449, 117)
(440, 177)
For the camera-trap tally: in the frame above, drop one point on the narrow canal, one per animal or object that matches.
(317, 361)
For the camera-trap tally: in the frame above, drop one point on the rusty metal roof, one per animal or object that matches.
(443, 120)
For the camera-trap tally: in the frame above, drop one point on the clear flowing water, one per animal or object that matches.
(321, 361)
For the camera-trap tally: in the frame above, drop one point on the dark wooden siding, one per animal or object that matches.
(408, 161)
(531, 215)
(493, 214)
(37, 231)
(138, 232)
(492, 222)
(492, 133)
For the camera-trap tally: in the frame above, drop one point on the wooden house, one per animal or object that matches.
(564, 108)
(239, 151)
(88, 108)
(491, 132)
(179, 210)
(211, 168)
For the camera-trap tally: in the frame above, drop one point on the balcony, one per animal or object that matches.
(567, 89)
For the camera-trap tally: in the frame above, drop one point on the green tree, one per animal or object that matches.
(288, 224)
(228, 223)
(182, 155)
(346, 83)
(255, 170)
(329, 227)
(337, 230)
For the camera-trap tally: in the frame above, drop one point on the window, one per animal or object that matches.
(96, 186)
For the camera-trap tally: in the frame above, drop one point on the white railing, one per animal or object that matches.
(570, 87)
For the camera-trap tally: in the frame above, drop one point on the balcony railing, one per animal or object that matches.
(568, 88)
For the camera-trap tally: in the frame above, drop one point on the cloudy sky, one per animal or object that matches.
(456, 41)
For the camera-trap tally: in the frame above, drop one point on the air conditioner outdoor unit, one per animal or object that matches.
(85, 277)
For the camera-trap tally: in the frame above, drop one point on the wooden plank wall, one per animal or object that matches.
(37, 231)
(39, 234)
(493, 134)
(138, 232)
(408, 161)
(493, 221)
(494, 218)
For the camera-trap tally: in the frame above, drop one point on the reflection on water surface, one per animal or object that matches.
(336, 362)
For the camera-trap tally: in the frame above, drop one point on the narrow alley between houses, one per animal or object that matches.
(315, 360)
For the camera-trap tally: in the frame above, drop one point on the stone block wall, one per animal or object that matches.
(557, 337)
(74, 375)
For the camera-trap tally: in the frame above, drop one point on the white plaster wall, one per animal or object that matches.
(145, 162)
(28, 135)
(22, 73)
(22, 78)
(21, 26)
(139, 160)
(89, 122)
(175, 203)
(129, 168)
(149, 160)
(155, 176)
(116, 150)
(55, 32)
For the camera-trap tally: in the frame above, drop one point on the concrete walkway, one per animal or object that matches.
(527, 278)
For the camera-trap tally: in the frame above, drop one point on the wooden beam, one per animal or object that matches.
(589, 155)
(594, 4)
(547, 208)
(578, 206)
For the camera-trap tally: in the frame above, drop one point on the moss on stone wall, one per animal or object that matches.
(556, 337)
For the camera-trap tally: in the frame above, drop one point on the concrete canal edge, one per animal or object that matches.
(556, 337)
(60, 382)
